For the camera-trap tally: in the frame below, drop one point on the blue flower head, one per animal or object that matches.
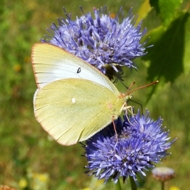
(105, 42)
(139, 144)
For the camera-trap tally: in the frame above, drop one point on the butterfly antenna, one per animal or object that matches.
(131, 86)
(141, 87)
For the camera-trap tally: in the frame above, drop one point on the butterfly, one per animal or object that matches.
(73, 100)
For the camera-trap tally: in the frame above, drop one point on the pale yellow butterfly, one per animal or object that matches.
(74, 100)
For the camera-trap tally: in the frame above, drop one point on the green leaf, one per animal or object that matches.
(166, 57)
(167, 9)
(143, 11)
(187, 47)
(155, 4)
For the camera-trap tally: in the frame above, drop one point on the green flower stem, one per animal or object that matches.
(118, 185)
(133, 184)
(162, 185)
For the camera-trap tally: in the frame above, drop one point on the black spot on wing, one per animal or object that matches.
(79, 70)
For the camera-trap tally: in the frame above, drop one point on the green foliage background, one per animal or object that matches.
(29, 159)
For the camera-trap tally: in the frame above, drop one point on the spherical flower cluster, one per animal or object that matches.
(140, 142)
(102, 41)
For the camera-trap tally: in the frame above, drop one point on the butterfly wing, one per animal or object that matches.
(73, 110)
(52, 63)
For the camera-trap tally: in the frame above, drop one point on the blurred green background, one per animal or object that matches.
(29, 158)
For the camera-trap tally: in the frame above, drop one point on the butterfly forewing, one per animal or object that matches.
(52, 63)
(73, 110)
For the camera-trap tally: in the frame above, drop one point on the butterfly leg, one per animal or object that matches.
(114, 126)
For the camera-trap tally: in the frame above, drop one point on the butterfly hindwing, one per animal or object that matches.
(72, 110)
